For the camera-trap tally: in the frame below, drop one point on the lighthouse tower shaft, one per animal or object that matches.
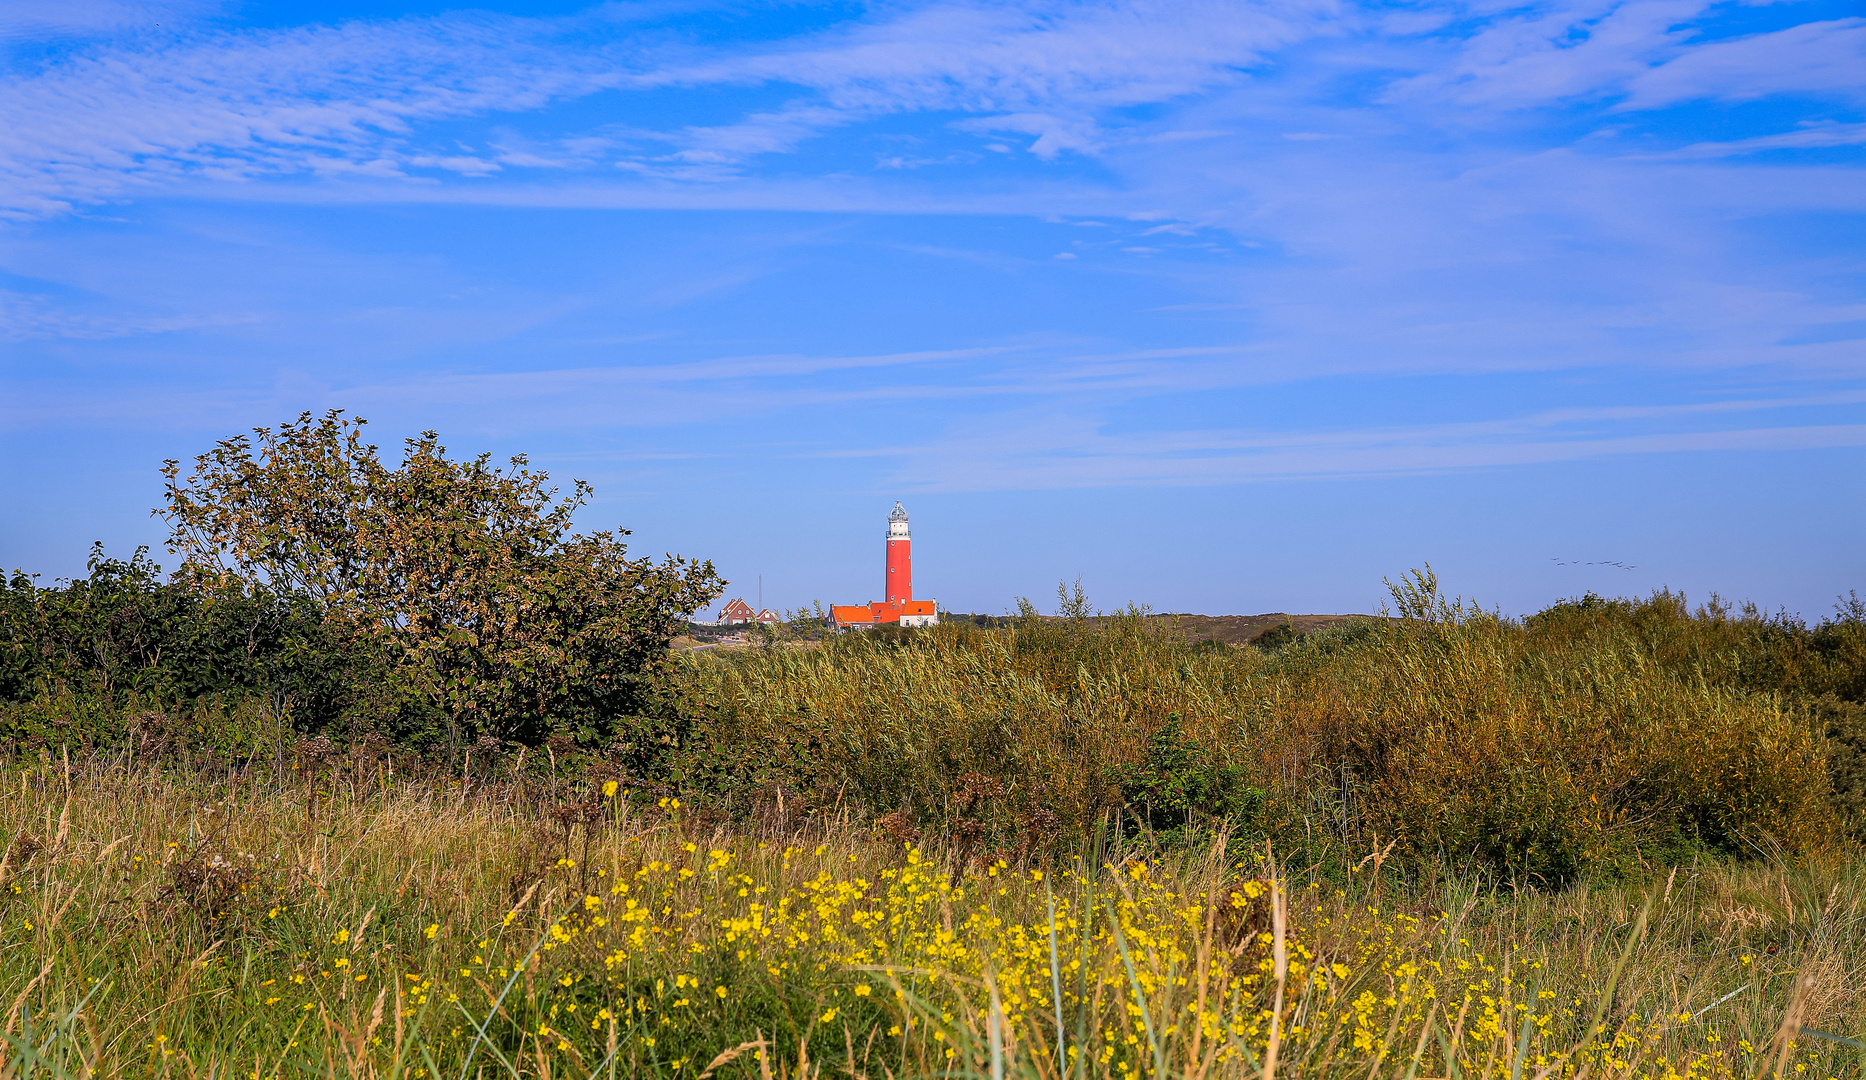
(900, 558)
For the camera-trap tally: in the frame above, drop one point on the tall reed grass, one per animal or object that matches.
(1571, 744)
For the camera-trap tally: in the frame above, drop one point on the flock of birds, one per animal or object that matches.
(1603, 562)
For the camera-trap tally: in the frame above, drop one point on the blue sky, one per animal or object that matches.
(1227, 307)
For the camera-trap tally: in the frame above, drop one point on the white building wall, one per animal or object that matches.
(922, 620)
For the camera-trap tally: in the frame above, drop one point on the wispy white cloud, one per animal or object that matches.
(1408, 224)
(1048, 450)
(1811, 137)
(372, 107)
(995, 58)
(1825, 59)
(637, 393)
(1549, 53)
(1054, 134)
(233, 106)
(1641, 54)
(23, 21)
(1042, 70)
(27, 316)
(352, 100)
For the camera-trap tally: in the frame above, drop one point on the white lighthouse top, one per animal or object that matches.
(897, 523)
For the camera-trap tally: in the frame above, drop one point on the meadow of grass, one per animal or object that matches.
(1616, 839)
(155, 924)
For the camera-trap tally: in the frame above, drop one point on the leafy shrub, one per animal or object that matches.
(463, 576)
(244, 729)
(123, 629)
(1844, 724)
(1179, 791)
(1741, 647)
(122, 656)
(1276, 637)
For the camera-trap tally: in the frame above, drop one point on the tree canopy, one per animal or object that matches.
(488, 609)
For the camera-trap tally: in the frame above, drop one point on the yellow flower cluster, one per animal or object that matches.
(1121, 970)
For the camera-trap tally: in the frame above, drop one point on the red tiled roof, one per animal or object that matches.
(880, 611)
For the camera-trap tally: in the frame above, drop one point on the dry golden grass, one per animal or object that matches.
(159, 925)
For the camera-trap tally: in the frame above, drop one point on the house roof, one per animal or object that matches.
(881, 611)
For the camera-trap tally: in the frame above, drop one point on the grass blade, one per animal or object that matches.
(1140, 997)
(1056, 984)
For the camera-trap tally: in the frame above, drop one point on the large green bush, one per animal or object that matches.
(464, 576)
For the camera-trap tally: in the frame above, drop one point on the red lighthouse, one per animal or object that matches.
(900, 605)
(900, 585)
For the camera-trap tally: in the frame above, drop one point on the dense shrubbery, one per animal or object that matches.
(433, 606)
(1592, 738)
(124, 630)
(1816, 672)
(123, 657)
